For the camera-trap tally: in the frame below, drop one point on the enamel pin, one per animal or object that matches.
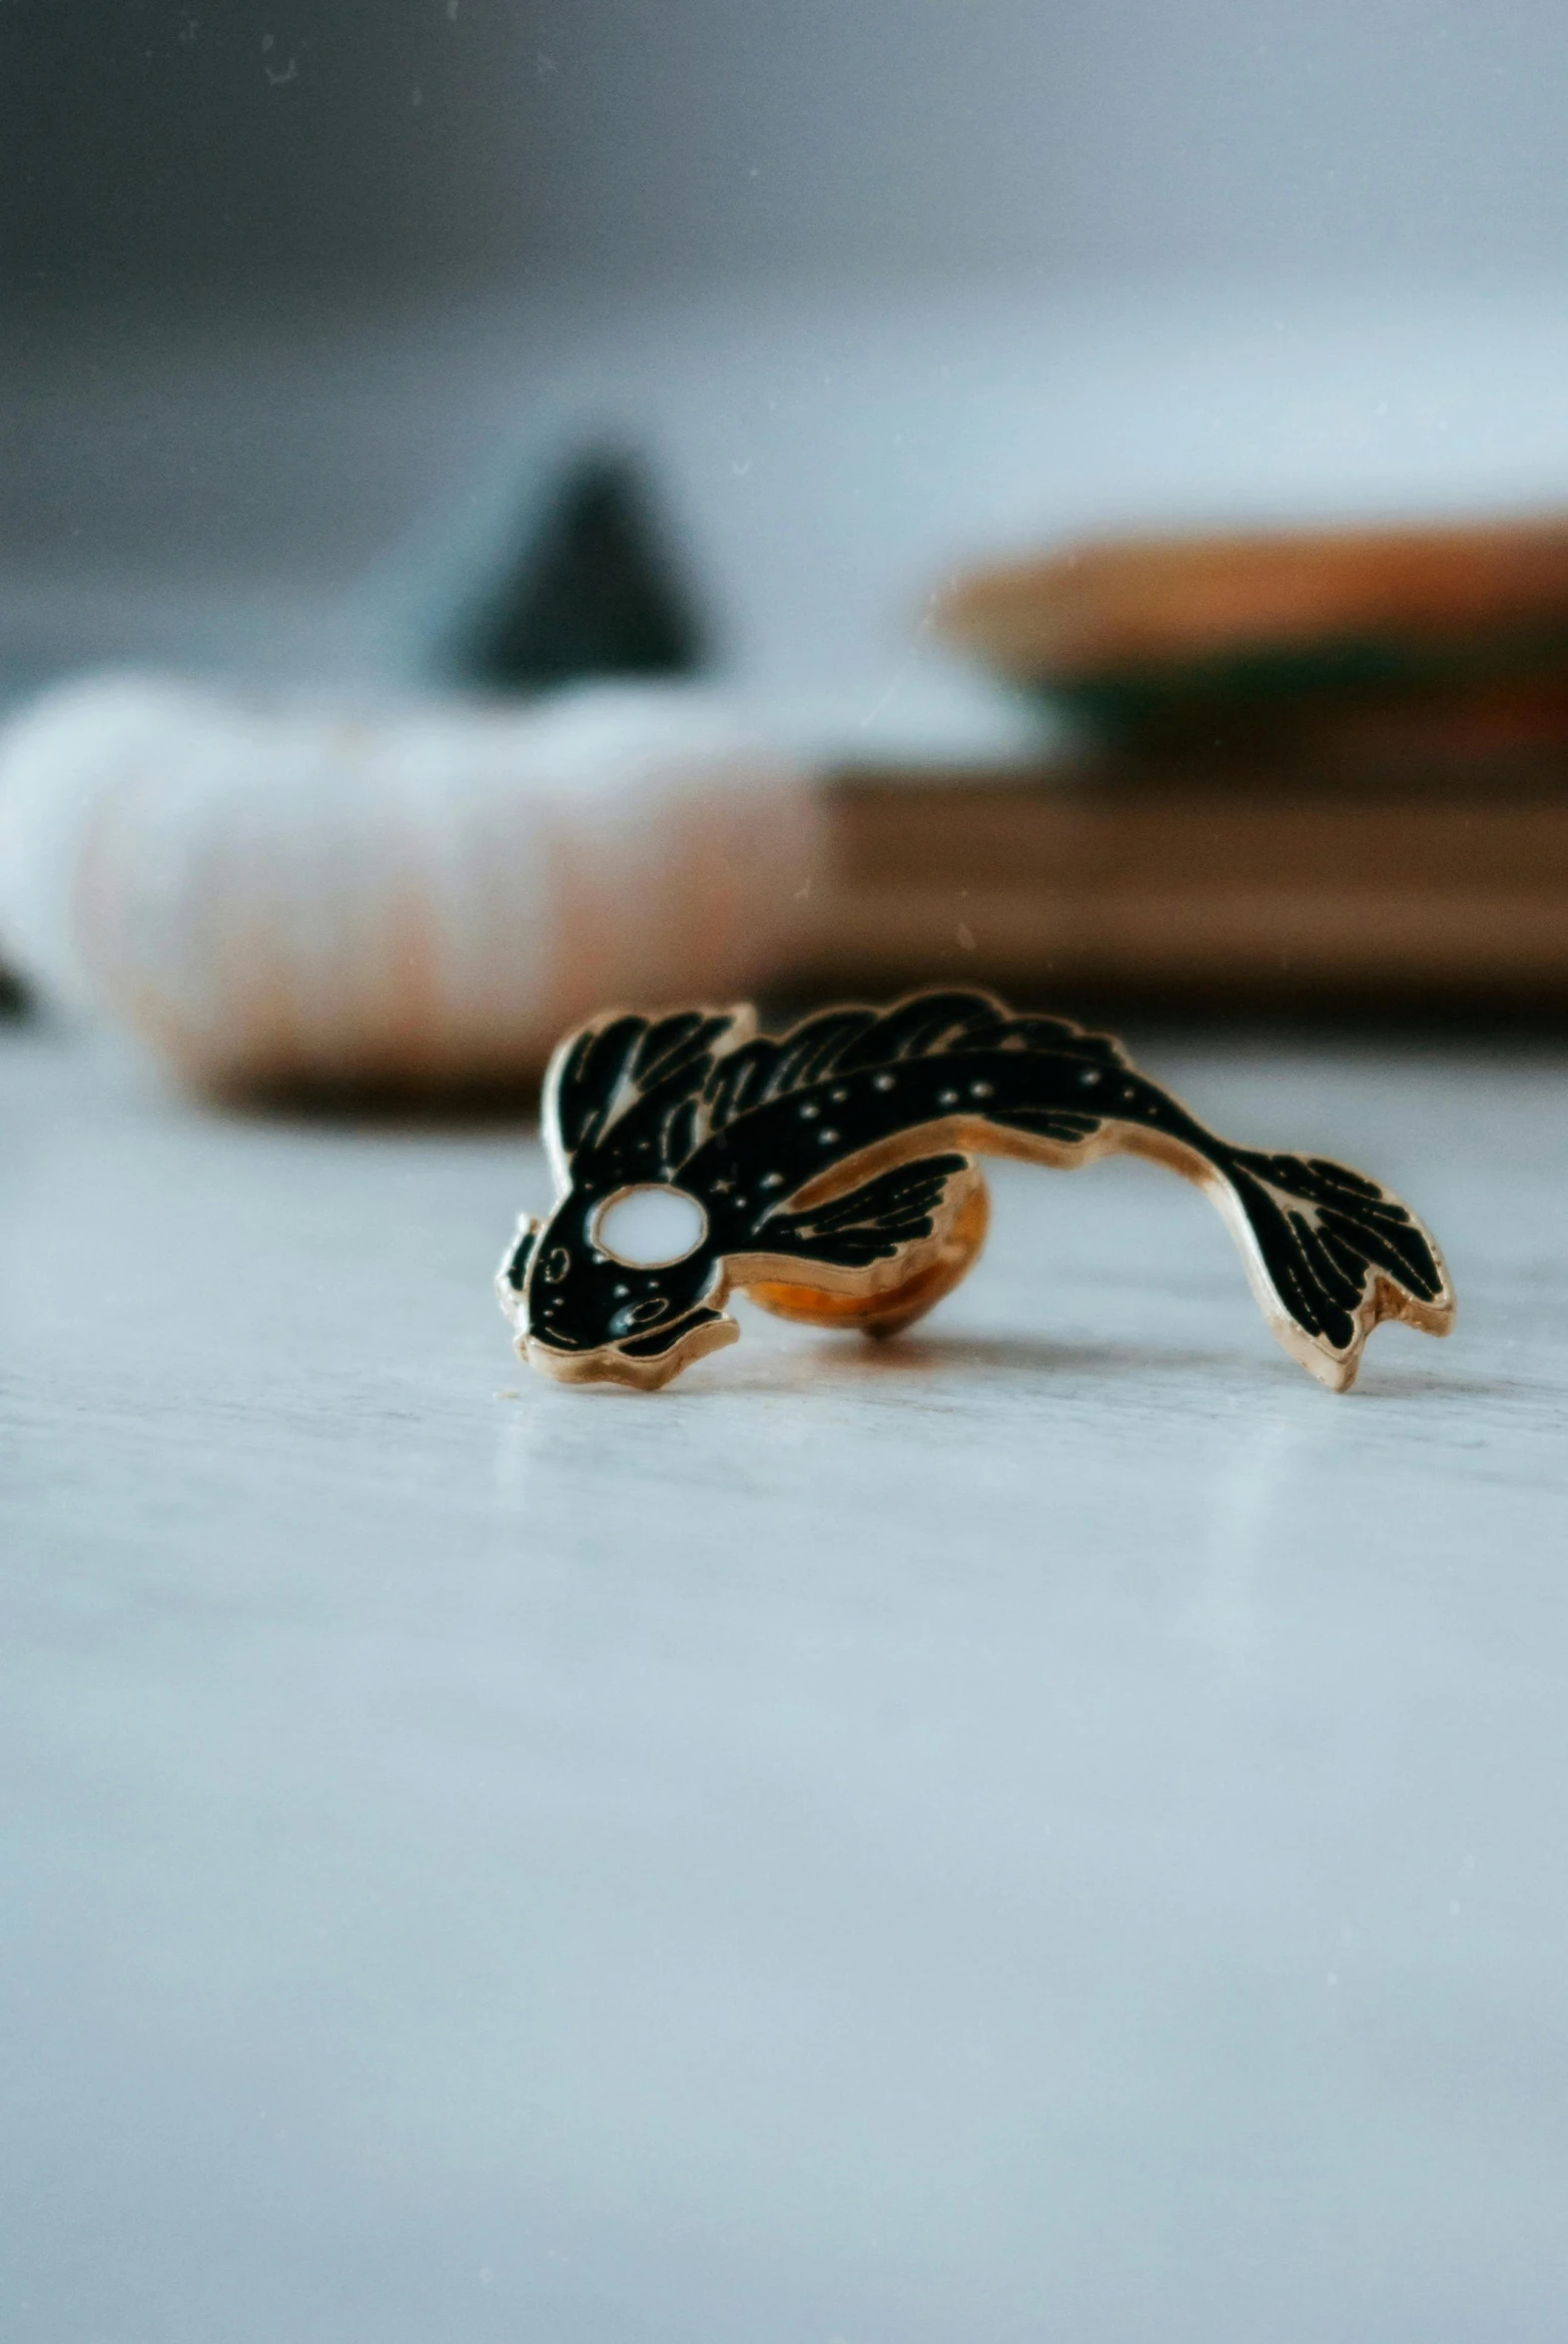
(828, 1172)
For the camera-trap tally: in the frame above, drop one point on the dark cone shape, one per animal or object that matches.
(593, 594)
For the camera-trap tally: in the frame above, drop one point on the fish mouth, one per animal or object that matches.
(643, 1360)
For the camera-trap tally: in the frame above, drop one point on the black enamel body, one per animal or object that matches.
(833, 1145)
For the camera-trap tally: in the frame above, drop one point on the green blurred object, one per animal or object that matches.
(593, 592)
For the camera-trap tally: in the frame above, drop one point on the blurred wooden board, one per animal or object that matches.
(1334, 637)
(1139, 604)
(1211, 893)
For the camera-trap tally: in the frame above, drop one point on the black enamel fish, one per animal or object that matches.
(831, 1173)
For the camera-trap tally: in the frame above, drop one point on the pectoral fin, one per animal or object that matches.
(871, 1222)
(876, 1259)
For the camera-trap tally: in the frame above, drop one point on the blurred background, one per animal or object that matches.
(311, 312)
(1042, 1832)
(879, 286)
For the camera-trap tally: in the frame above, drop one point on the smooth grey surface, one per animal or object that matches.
(417, 142)
(706, 135)
(1052, 1828)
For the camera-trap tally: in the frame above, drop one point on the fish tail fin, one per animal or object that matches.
(1330, 1255)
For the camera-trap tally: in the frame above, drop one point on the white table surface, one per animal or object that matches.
(1050, 1829)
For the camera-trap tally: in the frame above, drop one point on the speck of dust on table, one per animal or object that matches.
(1047, 1828)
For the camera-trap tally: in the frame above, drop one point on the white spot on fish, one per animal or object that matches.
(648, 1225)
(827, 1138)
(809, 1113)
(882, 1081)
(979, 1090)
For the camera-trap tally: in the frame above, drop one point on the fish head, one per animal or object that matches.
(591, 1306)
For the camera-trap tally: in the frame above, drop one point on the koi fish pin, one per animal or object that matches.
(828, 1172)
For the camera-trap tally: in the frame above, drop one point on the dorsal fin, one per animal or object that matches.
(842, 1040)
(625, 1068)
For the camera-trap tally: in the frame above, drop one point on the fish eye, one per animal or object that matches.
(648, 1226)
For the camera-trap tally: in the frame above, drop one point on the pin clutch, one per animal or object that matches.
(828, 1172)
